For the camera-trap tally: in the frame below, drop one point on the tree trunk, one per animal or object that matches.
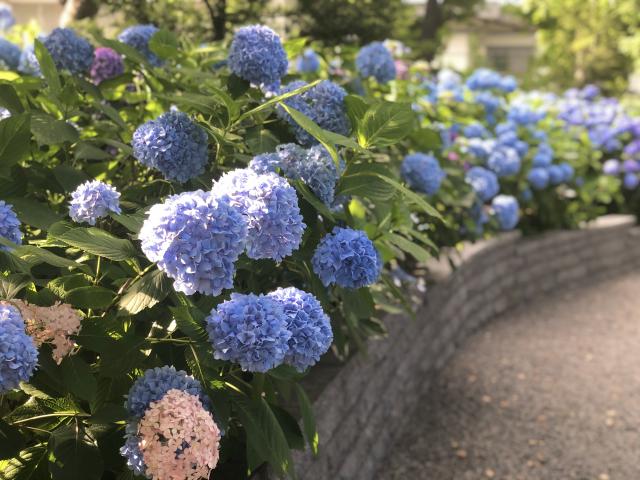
(218, 14)
(431, 24)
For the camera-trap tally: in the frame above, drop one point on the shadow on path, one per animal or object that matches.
(548, 392)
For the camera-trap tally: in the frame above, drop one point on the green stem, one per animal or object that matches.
(51, 415)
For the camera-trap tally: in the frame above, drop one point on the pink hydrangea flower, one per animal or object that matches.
(178, 438)
(52, 325)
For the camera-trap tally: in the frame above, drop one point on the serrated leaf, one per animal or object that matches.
(77, 377)
(90, 297)
(385, 123)
(188, 325)
(98, 242)
(48, 130)
(34, 256)
(11, 285)
(29, 467)
(164, 44)
(122, 356)
(145, 292)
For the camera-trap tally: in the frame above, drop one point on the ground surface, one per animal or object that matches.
(549, 392)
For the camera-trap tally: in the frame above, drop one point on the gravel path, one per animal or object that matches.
(550, 392)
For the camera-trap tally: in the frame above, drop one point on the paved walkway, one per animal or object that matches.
(550, 392)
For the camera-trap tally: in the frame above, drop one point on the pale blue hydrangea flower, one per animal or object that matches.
(504, 161)
(611, 167)
(538, 178)
(7, 20)
(508, 84)
(137, 37)
(92, 200)
(155, 383)
(29, 62)
(310, 328)
(556, 175)
(9, 55)
(18, 353)
(567, 171)
(195, 238)
(250, 330)
(543, 156)
(9, 224)
(308, 62)
(347, 258)
(270, 204)
(173, 144)
(256, 55)
(422, 172)
(69, 50)
(484, 79)
(374, 60)
(630, 181)
(506, 210)
(484, 182)
(475, 130)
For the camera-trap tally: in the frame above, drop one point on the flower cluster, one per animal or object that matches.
(504, 161)
(422, 172)
(9, 224)
(538, 178)
(93, 200)
(505, 208)
(323, 103)
(9, 55)
(347, 258)
(270, 205)
(137, 37)
(107, 64)
(195, 237)
(173, 144)
(308, 62)
(69, 51)
(7, 20)
(374, 60)
(256, 55)
(486, 79)
(18, 354)
(484, 182)
(29, 62)
(53, 325)
(310, 328)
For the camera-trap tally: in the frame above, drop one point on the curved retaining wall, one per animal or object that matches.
(361, 405)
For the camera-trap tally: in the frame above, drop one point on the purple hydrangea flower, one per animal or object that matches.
(18, 353)
(270, 204)
(9, 55)
(506, 210)
(137, 37)
(68, 50)
(107, 64)
(310, 328)
(256, 55)
(173, 144)
(195, 238)
(422, 172)
(484, 182)
(250, 330)
(374, 60)
(347, 258)
(93, 200)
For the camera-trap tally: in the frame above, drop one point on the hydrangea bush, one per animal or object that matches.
(180, 245)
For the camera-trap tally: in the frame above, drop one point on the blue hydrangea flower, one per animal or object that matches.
(137, 37)
(9, 55)
(479, 216)
(475, 130)
(18, 353)
(324, 104)
(195, 238)
(508, 84)
(173, 144)
(484, 182)
(422, 172)
(374, 60)
(504, 161)
(630, 181)
(7, 20)
(567, 171)
(490, 102)
(556, 175)
(28, 63)
(68, 50)
(310, 328)
(153, 385)
(484, 79)
(523, 114)
(527, 195)
(506, 210)
(107, 64)
(543, 156)
(611, 167)
(270, 204)
(131, 450)
(630, 166)
(538, 178)
(4, 113)
(481, 148)
(9, 224)
(256, 55)
(93, 200)
(308, 62)
(347, 258)
(506, 127)
(250, 330)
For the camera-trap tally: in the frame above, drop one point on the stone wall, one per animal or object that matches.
(361, 406)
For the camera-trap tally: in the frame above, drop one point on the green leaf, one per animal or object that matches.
(309, 196)
(47, 66)
(48, 130)
(98, 242)
(9, 99)
(34, 256)
(408, 246)
(77, 377)
(90, 297)
(278, 99)
(358, 302)
(353, 182)
(88, 151)
(68, 177)
(132, 222)
(201, 103)
(308, 419)
(72, 455)
(11, 285)
(11, 441)
(164, 44)
(147, 291)
(15, 135)
(356, 108)
(188, 324)
(122, 48)
(29, 466)
(385, 123)
(123, 356)
(34, 213)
